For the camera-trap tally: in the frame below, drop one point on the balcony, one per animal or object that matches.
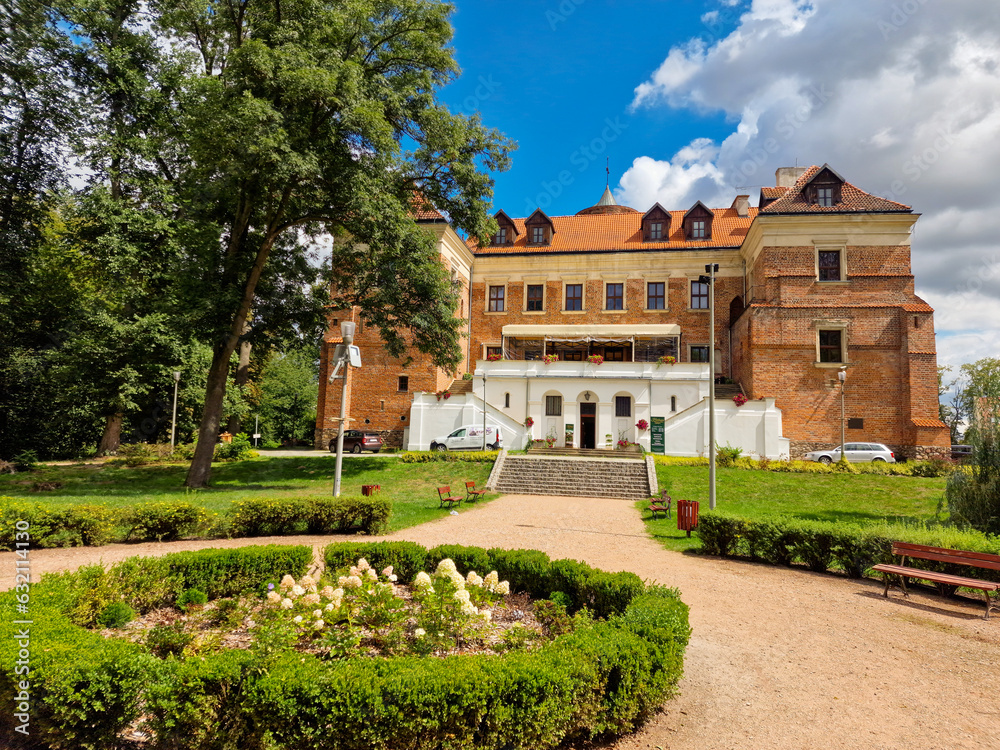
(509, 368)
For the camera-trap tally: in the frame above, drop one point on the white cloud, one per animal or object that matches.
(903, 99)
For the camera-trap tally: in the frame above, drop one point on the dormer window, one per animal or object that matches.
(823, 189)
(656, 224)
(539, 228)
(506, 233)
(698, 222)
(537, 235)
(656, 230)
(824, 197)
(500, 238)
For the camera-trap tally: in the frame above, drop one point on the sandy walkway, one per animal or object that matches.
(778, 658)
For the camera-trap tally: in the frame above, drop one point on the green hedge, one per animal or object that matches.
(598, 681)
(423, 457)
(933, 468)
(96, 525)
(820, 546)
(84, 688)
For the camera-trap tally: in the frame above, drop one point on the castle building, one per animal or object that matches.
(586, 327)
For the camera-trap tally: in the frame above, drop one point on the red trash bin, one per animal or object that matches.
(370, 489)
(687, 515)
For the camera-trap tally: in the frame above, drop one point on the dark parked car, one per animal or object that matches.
(961, 452)
(356, 441)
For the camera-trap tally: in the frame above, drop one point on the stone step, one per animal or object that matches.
(573, 475)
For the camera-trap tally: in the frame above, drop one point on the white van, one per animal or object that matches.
(470, 437)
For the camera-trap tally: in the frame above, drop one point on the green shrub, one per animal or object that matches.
(192, 598)
(315, 515)
(406, 558)
(165, 521)
(26, 460)
(116, 615)
(423, 457)
(224, 612)
(728, 455)
(526, 570)
(267, 517)
(465, 558)
(168, 640)
(935, 467)
(86, 525)
(238, 449)
(230, 572)
(134, 454)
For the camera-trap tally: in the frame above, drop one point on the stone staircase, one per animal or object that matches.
(571, 475)
(460, 386)
(728, 390)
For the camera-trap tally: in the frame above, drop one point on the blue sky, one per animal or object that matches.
(703, 99)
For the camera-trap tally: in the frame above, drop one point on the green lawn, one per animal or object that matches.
(411, 487)
(852, 498)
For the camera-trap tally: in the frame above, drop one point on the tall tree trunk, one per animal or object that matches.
(200, 470)
(235, 424)
(112, 437)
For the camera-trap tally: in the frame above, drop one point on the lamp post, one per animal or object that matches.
(711, 269)
(173, 421)
(343, 360)
(842, 377)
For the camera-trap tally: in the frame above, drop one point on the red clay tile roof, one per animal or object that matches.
(918, 306)
(923, 422)
(623, 231)
(852, 199)
(773, 192)
(423, 210)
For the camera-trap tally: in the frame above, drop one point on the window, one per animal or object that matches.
(494, 351)
(829, 265)
(381, 405)
(496, 298)
(656, 298)
(506, 401)
(623, 406)
(500, 238)
(615, 297)
(538, 235)
(614, 354)
(673, 403)
(656, 230)
(404, 384)
(699, 354)
(855, 423)
(699, 296)
(536, 297)
(824, 196)
(698, 229)
(574, 296)
(830, 346)
(553, 406)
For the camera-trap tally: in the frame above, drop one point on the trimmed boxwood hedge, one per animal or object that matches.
(598, 681)
(823, 546)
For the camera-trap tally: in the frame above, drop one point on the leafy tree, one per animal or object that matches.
(287, 390)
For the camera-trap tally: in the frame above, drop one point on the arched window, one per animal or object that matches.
(506, 401)
(673, 403)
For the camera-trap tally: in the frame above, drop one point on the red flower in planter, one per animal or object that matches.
(528, 422)
(739, 399)
(642, 424)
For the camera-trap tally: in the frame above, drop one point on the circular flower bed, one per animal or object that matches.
(561, 652)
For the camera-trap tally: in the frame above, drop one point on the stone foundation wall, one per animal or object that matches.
(390, 438)
(902, 452)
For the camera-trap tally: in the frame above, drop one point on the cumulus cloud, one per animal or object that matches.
(903, 99)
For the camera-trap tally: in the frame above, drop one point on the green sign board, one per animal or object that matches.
(656, 429)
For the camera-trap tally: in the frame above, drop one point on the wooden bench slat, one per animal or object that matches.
(939, 554)
(928, 575)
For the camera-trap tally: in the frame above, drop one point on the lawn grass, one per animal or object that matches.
(849, 498)
(411, 487)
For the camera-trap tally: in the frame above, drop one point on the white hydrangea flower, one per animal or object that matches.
(462, 595)
(342, 581)
(306, 581)
(371, 574)
(473, 579)
(353, 582)
(468, 608)
(298, 590)
(457, 579)
(354, 571)
(503, 588)
(274, 597)
(422, 580)
(297, 618)
(363, 565)
(287, 603)
(318, 625)
(327, 592)
(318, 613)
(487, 614)
(329, 608)
(286, 582)
(393, 577)
(387, 571)
(492, 579)
(338, 594)
(446, 566)
(311, 599)
(419, 632)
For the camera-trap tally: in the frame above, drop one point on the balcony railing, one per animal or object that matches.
(512, 368)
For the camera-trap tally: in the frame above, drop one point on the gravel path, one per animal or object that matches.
(778, 658)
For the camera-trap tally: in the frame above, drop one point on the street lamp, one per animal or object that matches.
(173, 422)
(342, 356)
(842, 377)
(711, 269)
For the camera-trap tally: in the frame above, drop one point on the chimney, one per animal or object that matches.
(741, 204)
(787, 176)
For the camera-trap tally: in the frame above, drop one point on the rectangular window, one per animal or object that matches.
(699, 354)
(494, 351)
(496, 298)
(553, 406)
(824, 196)
(536, 297)
(404, 384)
(656, 231)
(574, 296)
(699, 295)
(855, 423)
(829, 265)
(614, 354)
(623, 406)
(615, 297)
(830, 346)
(500, 238)
(656, 298)
(538, 235)
(698, 229)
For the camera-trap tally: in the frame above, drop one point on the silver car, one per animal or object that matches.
(856, 453)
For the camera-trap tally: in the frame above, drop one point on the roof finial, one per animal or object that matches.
(607, 168)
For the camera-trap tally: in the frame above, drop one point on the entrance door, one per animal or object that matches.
(588, 425)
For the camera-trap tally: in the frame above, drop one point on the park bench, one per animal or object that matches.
(471, 493)
(904, 550)
(446, 497)
(661, 506)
